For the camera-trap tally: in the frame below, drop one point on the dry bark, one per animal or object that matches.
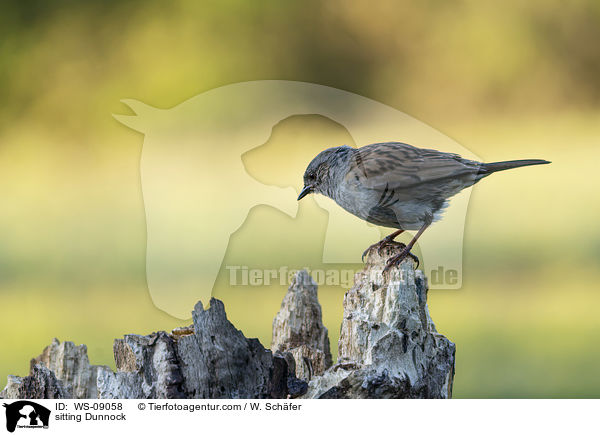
(72, 366)
(40, 384)
(388, 348)
(298, 329)
(210, 359)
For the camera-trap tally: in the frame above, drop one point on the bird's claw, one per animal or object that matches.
(379, 245)
(397, 259)
(373, 246)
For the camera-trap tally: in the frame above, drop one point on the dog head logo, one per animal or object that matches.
(26, 414)
(200, 169)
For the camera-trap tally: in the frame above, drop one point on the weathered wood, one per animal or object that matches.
(40, 384)
(219, 362)
(298, 329)
(72, 366)
(388, 348)
(147, 367)
(211, 359)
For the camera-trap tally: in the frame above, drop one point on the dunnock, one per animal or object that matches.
(396, 185)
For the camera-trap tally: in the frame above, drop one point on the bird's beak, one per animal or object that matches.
(305, 191)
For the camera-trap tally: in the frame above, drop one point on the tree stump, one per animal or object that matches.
(388, 348)
(298, 329)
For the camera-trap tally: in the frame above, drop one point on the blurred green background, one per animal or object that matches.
(506, 80)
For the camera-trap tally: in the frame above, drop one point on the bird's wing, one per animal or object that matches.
(398, 166)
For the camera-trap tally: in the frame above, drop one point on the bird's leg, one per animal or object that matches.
(394, 261)
(385, 241)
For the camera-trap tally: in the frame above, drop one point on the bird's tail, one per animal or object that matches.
(488, 168)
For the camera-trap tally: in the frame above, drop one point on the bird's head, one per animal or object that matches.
(322, 173)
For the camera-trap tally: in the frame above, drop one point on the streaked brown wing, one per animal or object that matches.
(396, 166)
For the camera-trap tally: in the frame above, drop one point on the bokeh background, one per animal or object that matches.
(506, 80)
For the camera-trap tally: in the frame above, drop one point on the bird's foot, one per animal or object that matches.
(397, 259)
(379, 246)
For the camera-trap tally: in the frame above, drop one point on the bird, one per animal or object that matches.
(396, 185)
